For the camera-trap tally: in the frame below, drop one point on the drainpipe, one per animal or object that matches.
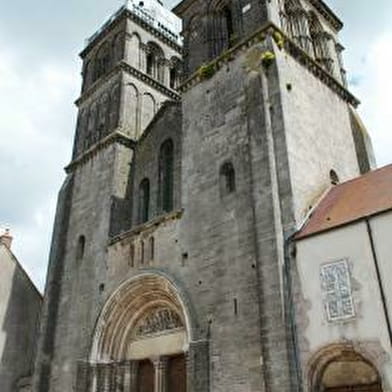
(379, 279)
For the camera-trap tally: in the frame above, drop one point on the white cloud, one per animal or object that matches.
(374, 88)
(37, 125)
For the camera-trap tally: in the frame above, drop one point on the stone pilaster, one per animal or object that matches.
(198, 366)
(82, 377)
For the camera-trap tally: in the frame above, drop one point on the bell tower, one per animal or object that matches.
(264, 93)
(131, 67)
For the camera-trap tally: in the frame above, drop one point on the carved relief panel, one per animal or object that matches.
(337, 292)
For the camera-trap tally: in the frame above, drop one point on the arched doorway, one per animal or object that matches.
(342, 369)
(141, 340)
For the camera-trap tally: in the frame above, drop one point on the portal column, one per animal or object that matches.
(160, 367)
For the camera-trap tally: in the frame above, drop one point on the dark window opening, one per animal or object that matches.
(144, 200)
(334, 177)
(152, 248)
(150, 64)
(227, 174)
(235, 306)
(228, 16)
(80, 247)
(142, 254)
(173, 78)
(132, 255)
(166, 168)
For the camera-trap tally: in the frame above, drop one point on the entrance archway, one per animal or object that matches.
(342, 369)
(141, 339)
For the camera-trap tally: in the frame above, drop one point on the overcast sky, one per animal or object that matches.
(40, 79)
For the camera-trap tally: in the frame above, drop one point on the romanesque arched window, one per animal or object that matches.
(102, 61)
(227, 179)
(166, 169)
(174, 73)
(87, 74)
(80, 131)
(195, 36)
(118, 47)
(228, 24)
(144, 201)
(155, 60)
(114, 110)
(295, 23)
(103, 118)
(222, 33)
(320, 42)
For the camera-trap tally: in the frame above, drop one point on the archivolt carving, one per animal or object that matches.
(160, 320)
(144, 306)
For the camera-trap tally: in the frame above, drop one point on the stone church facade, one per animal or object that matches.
(193, 166)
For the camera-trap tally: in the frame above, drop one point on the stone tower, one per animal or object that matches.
(169, 267)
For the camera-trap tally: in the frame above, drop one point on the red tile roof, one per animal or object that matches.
(355, 199)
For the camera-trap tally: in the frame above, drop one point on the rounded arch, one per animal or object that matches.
(114, 107)
(174, 72)
(294, 20)
(148, 110)
(320, 41)
(103, 122)
(341, 368)
(131, 102)
(102, 60)
(133, 50)
(224, 31)
(155, 61)
(118, 47)
(129, 312)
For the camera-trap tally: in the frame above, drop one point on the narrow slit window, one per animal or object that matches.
(152, 248)
(173, 78)
(228, 17)
(166, 168)
(228, 181)
(150, 64)
(80, 248)
(144, 201)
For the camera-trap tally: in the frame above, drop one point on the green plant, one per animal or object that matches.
(261, 37)
(267, 58)
(206, 71)
(233, 39)
(279, 39)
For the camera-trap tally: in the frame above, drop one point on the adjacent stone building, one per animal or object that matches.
(194, 164)
(343, 292)
(20, 306)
